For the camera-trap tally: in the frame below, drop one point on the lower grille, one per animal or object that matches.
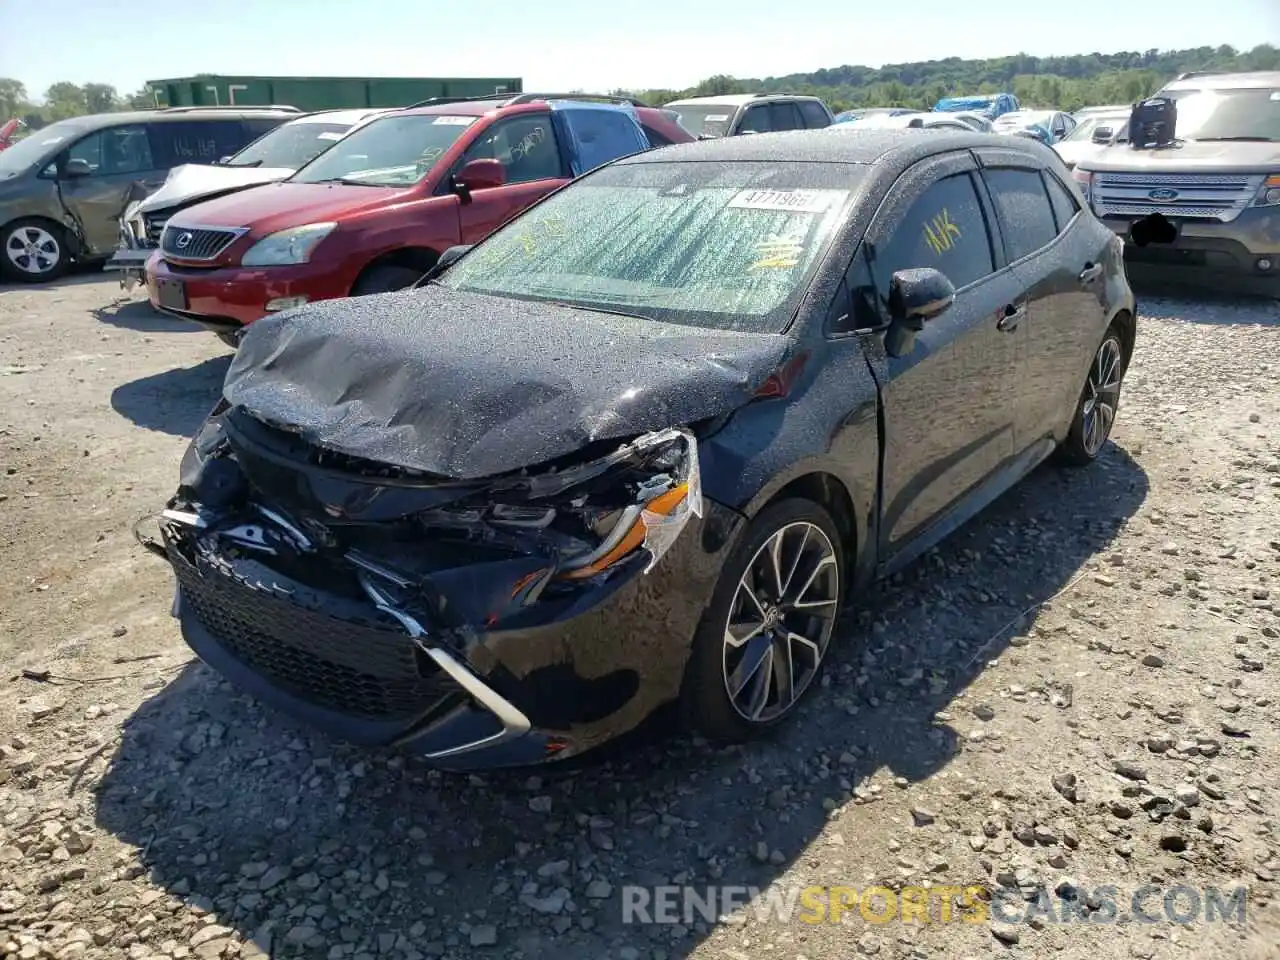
(354, 668)
(1199, 196)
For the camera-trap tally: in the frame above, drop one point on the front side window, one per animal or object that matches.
(730, 246)
(944, 229)
(1246, 114)
(291, 145)
(757, 120)
(393, 151)
(116, 150)
(1026, 216)
(525, 146)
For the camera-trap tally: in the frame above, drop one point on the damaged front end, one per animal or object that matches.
(465, 618)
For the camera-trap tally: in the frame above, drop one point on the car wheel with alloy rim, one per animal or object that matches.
(1099, 402)
(35, 251)
(763, 640)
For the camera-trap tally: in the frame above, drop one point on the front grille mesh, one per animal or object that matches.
(189, 243)
(359, 669)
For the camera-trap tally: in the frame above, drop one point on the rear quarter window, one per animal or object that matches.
(1064, 204)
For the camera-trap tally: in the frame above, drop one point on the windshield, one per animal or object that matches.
(1247, 114)
(39, 146)
(290, 145)
(702, 120)
(1084, 129)
(730, 246)
(395, 151)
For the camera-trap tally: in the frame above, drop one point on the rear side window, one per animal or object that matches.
(1064, 204)
(944, 229)
(814, 115)
(196, 141)
(1026, 217)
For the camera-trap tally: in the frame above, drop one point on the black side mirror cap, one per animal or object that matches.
(76, 168)
(916, 296)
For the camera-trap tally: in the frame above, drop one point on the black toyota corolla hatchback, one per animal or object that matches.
(644, 443)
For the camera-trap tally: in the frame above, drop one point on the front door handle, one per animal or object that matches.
(1011, 316)
(1090, 273)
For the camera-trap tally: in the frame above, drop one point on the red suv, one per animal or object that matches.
(374, 212)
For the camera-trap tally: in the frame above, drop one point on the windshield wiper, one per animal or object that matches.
(251, 163)
(1234, 139)
(352, 183)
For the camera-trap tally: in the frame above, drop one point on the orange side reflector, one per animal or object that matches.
(663, 504)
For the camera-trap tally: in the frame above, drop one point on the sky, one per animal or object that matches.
(576, 44)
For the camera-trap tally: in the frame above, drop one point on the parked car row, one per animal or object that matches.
(374, 212)
(63, 187)
(637, 446)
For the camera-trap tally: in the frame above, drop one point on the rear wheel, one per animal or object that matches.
(385, 279)
(762, 642)
(35, 251)
(1095, 413)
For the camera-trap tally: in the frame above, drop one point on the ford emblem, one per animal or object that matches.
(1163, 195)
(184, 240)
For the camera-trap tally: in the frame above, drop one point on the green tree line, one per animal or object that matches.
(1065, 83)
(63, 100)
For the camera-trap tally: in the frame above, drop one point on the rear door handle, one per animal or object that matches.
(1090, 273)
(1011, 316)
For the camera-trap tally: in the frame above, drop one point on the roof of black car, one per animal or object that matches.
(827, 145)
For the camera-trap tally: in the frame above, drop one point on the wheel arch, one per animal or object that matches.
(415, 258)
(849, 508)
(1127, 326)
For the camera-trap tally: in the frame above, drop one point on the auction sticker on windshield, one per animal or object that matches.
(789, 201)
(454, 121)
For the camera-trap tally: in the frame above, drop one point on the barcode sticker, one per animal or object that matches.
(791, 201)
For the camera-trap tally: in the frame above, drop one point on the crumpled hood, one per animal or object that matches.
(1192, 156)
(468, 386)
(191, 181)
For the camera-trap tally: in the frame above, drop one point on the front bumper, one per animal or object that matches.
(488, 697)
(225, 299)
(1242, 253)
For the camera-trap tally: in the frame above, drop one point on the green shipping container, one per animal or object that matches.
(321, 93)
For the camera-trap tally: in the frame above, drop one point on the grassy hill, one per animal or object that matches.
(1064, 82)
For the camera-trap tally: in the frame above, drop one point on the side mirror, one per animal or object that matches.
(916, 296)
(75, 168)
(447, 259)
(481, 175)
(1103, 135)
(222, 160)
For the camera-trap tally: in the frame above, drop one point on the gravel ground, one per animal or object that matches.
(1078, 690)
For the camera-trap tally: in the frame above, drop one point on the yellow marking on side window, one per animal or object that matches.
(941, 233)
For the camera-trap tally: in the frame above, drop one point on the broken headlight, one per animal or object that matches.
(590, 516)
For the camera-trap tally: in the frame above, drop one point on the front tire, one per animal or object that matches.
(1095, 413)
(35, 251)
(763, 640)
